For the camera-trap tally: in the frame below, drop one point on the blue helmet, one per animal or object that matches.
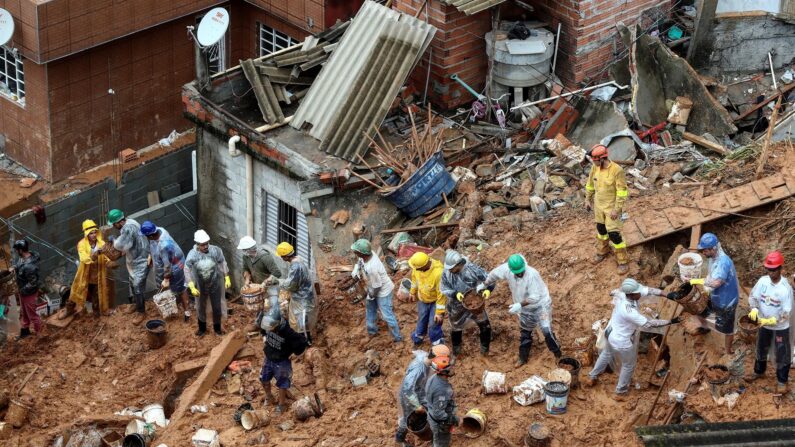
(708, 240)
(148, 228)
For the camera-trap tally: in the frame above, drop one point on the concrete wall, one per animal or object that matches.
(741, 44)
(62, 229)
(748, 5)
(222, 195)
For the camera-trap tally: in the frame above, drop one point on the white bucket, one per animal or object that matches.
(154, 414)
(559, 375)
(405, 288)
(166, 302)
(691, 271)
(530, 391)
(206, 438)
(494, 382)
(144, 429)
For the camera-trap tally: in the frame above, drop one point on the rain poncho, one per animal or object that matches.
(530, 288)
(772, 300)
(207, 271)
(301, 307)
(168, 255)
(412, 389)
(722, 268)
(91, 271)
(154, 251)
(470, 276)
(135, 247)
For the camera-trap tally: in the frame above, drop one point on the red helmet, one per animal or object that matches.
(774, 260)
(598, 152)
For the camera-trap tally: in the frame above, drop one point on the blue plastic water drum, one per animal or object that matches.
(557, 396)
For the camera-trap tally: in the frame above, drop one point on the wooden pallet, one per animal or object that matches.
(656, 223)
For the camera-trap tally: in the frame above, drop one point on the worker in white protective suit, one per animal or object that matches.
(531, 302)
(620, 333)
(208, 278)
(460, 277)
(301, 306)
(135, 247)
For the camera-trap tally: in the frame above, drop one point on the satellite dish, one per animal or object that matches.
(213, 27)
(6, 26)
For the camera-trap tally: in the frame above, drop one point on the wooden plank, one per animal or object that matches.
(681, 217)
(762, 190)
(733, 199)
(695, 236)
(715, 147)
(753, 109)
(54, 321)
(191, 366)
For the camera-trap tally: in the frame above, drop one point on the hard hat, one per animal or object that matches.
(89, 226)
(418, 260)
(362, 246)
(452, 258)
(516, 264)
(440, 358)
(21, 244)
(201, 237)
(629, 285)
(114, 216)
(440, 350)
(148, 228)
(284, 249)
(708, 240)
(774, 260)
(598, 152)
(246, 242)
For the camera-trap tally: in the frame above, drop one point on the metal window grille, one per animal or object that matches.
(12, 75)
(271, 40)
(288, 224)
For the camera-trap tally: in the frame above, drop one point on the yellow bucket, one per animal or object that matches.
(474, 423)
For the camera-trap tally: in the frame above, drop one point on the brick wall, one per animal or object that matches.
(295, 12)
(26, 36)
(245, 30)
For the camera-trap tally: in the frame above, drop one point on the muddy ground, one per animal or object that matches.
(82, 374)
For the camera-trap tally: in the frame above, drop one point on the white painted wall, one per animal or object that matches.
(773, 6)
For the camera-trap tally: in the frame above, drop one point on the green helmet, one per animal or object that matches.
(516, 264)
(114, 216)
(362, 246)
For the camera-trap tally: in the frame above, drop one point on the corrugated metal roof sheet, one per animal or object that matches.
(740, 433)
(470, 7)
(354, 89)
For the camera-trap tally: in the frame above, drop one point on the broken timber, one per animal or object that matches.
(189, 367)
(653, 224)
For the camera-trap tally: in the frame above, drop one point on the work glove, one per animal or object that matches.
(272, 280)
(697, 281)
(768, 321)
(227, 282)
(459, 296)
(486, 294)
(676, 320)
(165, 283)
(515, 308)
(753, 314)
(193, 290)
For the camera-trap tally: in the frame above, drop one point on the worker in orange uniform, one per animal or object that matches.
(607, 187)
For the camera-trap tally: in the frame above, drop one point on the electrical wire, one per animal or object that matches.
(40, 241)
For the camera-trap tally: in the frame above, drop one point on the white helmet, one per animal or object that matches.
(201, 237)
(246, 242)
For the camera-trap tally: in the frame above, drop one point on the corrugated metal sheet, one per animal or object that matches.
(742, 433)
(302, 245)
(470, 7)
(362, 76)
(271, 220)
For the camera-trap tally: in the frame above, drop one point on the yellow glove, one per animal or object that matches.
(193, 290)
(768, 321)
(459, 296)
(698, 281)
(486, 293)
(753, 314)
(227, 282)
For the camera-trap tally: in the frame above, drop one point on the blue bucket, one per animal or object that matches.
(557, 396)
(423, 190)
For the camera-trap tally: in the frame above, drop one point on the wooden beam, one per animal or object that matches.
(753, 109)
(191, 366)
(760, 167)
(419, 227)
(715, 147)
(695, 235)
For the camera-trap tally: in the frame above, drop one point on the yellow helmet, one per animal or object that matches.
(89, 226)
(418, 260)
(284, 249)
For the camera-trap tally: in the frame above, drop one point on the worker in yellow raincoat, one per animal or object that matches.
(426, 278)
(92, 281)
(607, 188)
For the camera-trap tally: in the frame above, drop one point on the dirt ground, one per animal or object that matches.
(82, 374)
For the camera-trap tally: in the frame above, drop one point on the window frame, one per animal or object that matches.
(269, 36)
(7, 56)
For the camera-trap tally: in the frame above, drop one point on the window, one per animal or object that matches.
(216, 54)
(12, 76)
(271, 41)
(288, 223)
(284, 223)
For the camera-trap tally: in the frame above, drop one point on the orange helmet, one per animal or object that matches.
(598, 152)
(774, 260)
(440, 359)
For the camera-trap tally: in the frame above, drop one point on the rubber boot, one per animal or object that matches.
(458, 338)
(622, 258)
(67, 310)
(485, 337)
(217, 329)
(524, 354)
(202, 329)
(95, 306)
(602, 249)
(23, 333)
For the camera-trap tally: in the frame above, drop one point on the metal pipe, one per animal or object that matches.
(565, 95)
(772, 72)
(193, 170)
(557, 45)
(249, 195)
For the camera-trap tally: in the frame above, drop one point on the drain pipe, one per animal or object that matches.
(193, 169)
(231, 144)
(249, 195)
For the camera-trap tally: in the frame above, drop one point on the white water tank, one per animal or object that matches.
(521, 63)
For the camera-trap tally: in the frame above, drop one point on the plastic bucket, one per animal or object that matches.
(305, 408)
(166, 302)
(717, 374)
(134, 440)
(418, 425)
(474, 302)
(240, 410)
(560, 375)
(494, 382)
(557, 395)
(17, 413)
(474, 423)
(254, 419)
(537, 436)
(689, 266)
(252, 297)
(748, 327)
(573, 366)
(139, 427)
(154, 414)
(693, 298)
(405, 287)
(156, 334)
